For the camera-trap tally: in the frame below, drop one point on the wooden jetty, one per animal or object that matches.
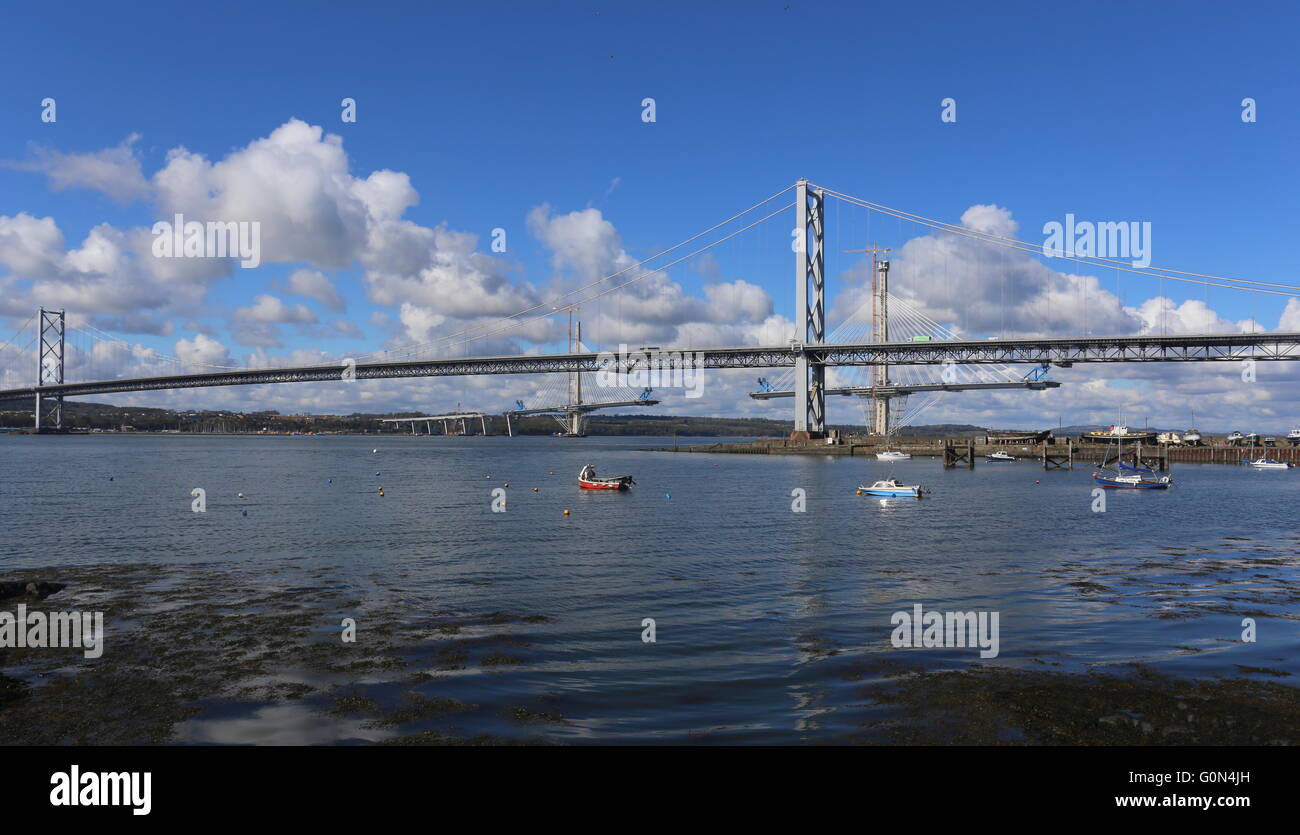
(1232, 454)
(954, 455)
(1055, 460)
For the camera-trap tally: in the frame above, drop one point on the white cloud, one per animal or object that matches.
(114, 171)
(203, 350)
(268, 308)
(316, 285)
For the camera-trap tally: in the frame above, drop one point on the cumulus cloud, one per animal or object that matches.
(268, 308)
(315, 285)
(652, 306)
(203, 350)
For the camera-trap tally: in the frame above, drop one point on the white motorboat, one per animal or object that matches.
(893, 455)
(1268, 464)
(890, 488)
(1234, 438)
(999, 456)
(1294, 436)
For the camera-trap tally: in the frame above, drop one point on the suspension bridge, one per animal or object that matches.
(895, 356)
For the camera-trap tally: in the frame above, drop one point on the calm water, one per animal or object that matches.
(760, 611)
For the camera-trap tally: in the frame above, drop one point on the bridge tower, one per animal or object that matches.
(810, 313)
(879, 333)
(880, 320)
(575, 419)
(49, 368)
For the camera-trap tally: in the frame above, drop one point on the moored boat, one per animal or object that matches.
(893, 455)
(999, 456)
(1268, 464)
(1126, 476)
(890, 488)
(1118, 432)
(1134, 481)
(588, 480)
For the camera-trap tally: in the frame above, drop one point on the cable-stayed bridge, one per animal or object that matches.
(917, 340)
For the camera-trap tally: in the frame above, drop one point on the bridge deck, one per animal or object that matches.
(1062, 351)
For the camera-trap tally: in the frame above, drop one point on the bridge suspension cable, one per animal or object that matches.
(1025, 246)
(21, 328)
(449, 340)
(102, 336)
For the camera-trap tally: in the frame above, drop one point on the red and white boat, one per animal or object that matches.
(588, 480)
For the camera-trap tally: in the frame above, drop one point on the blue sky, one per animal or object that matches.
(1114, 112)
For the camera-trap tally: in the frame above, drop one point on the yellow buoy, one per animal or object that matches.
(534, 489)
(859, 492)
(507, 484)
(566, 511)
